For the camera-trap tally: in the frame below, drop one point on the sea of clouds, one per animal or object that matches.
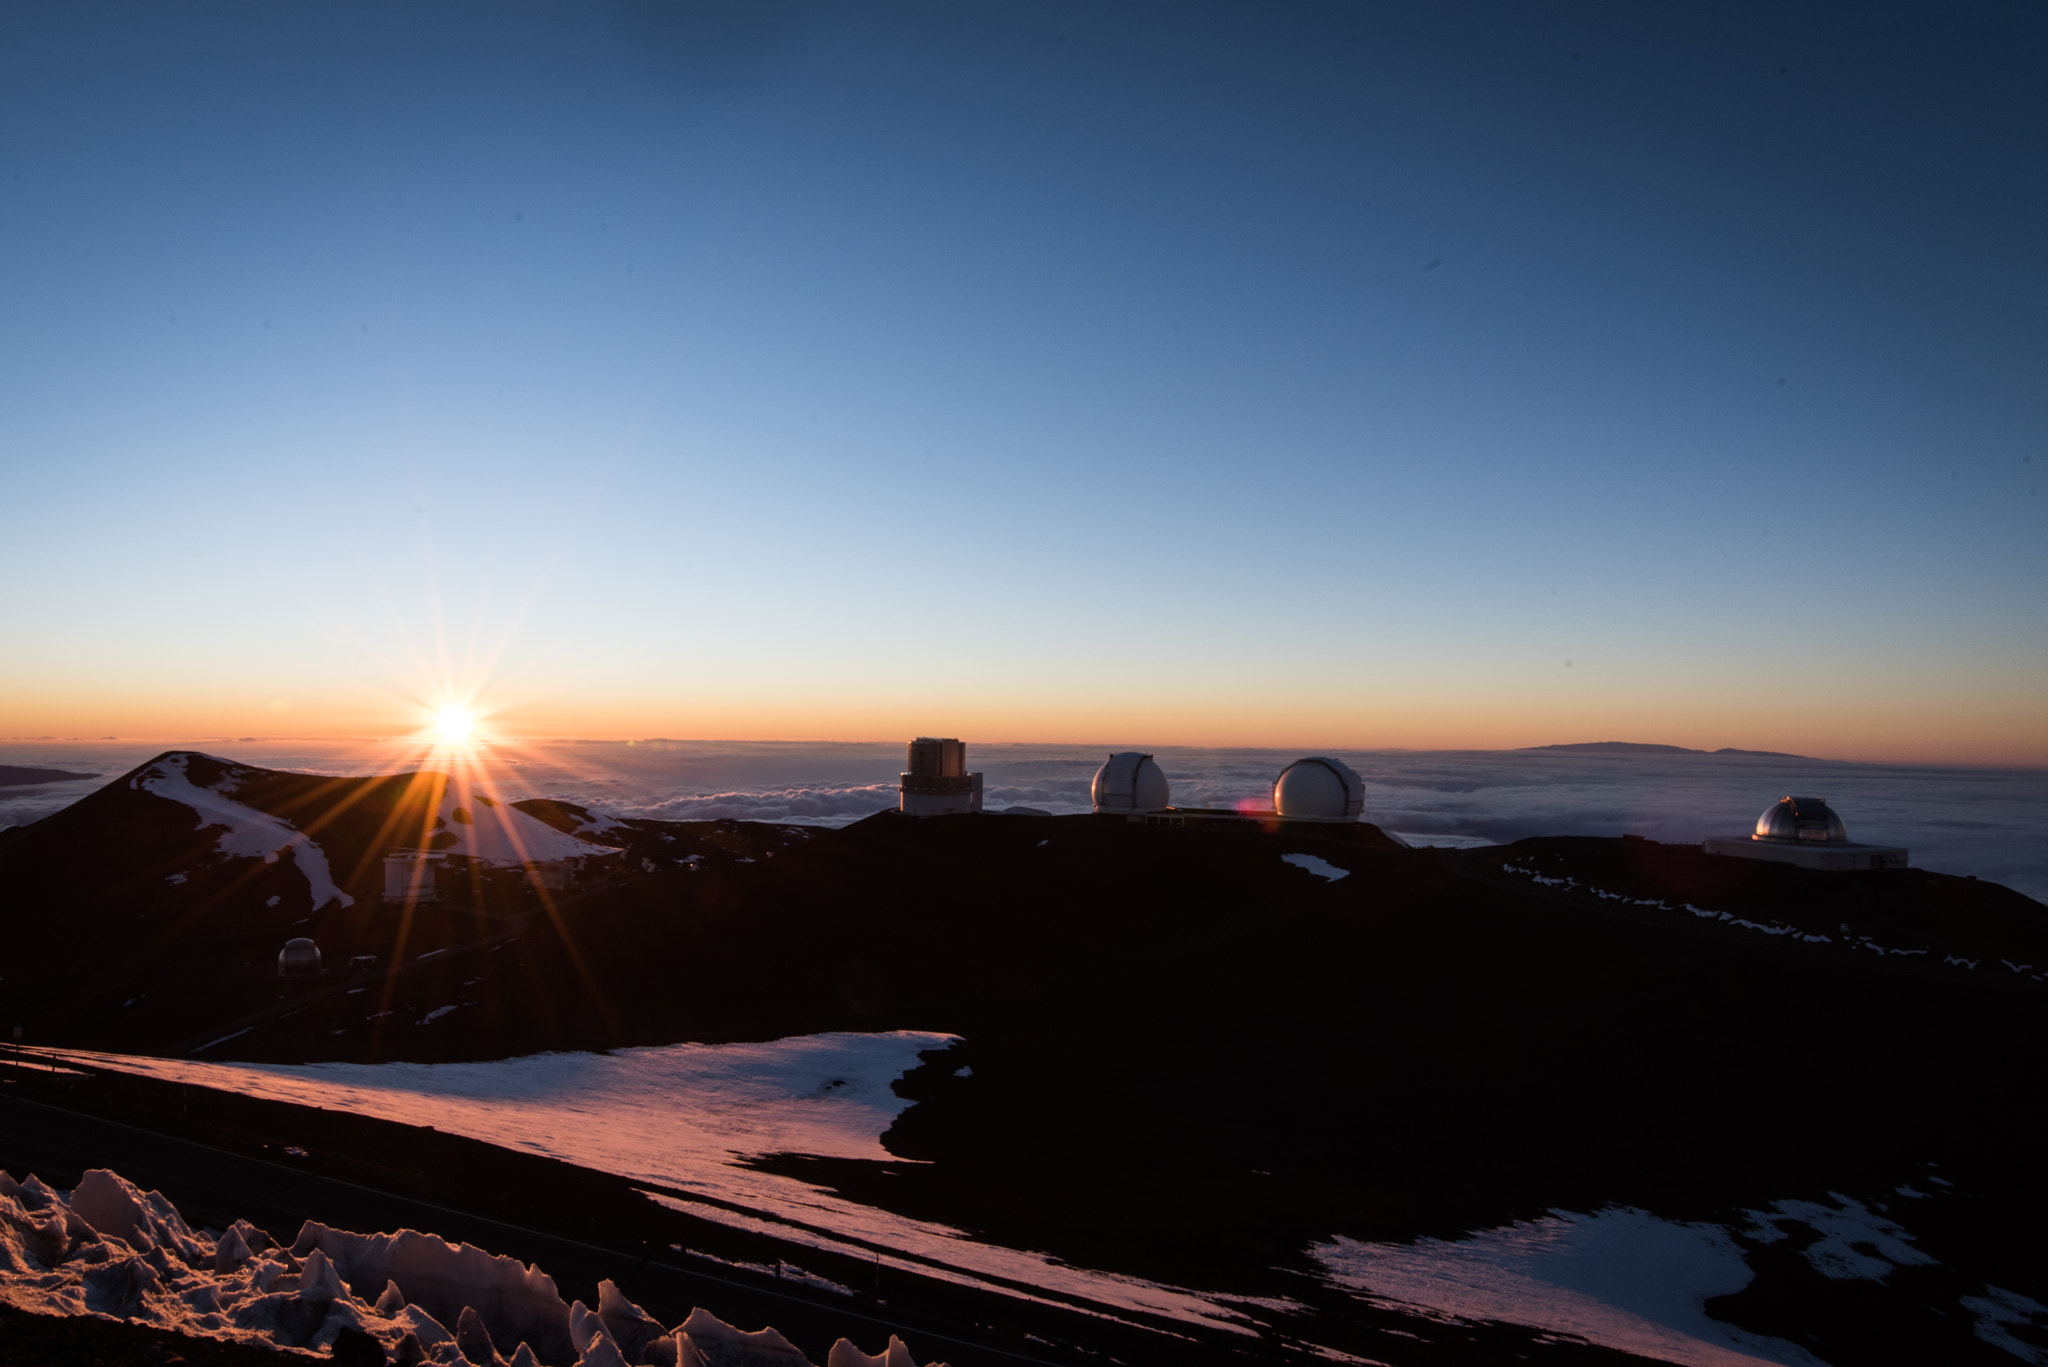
(1987, 822)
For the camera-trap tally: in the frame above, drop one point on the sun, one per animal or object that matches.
(455, 725)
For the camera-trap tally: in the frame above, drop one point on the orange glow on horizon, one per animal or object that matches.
(462, 721)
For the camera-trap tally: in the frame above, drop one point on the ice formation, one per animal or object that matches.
(244, 830)
(106, 1249)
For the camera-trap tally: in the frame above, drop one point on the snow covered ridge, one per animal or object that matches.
(495, 832)
(109, 1250)
(245, 832)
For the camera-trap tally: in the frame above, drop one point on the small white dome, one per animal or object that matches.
(1319, 789)
(1130, 782)
(298, 957)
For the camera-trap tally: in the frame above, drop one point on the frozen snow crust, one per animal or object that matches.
(106, 1249)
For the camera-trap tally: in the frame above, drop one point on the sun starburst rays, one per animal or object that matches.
(454, 724)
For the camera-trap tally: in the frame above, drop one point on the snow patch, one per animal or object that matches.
(245, 832)
(1855, 1243)
(685, 1119)
(1620, 1278)
(1321, 868)
(601, 824)
(499, 833)
(1999, 1311)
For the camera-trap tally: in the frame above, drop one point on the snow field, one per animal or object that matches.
(684, 1118)
(1622, 1279)
(496, 832)
(245, 832)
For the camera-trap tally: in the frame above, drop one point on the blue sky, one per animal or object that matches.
(1214, 374)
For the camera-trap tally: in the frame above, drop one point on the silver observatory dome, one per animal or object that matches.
(298, 958)
(1129, 782)
(1802, 821)
(1319, 789)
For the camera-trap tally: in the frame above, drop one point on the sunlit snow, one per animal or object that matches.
(244, 830)
(498, 833)
(686, 1117)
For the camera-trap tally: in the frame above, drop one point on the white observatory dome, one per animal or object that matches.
(1803, 821)
(1319, 789)
(300, 956)
(1129, 782)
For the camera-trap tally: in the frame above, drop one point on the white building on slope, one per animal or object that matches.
(938, 783)
(1319, 789)
(1805, 832)
(1130, 783)
(409, 876)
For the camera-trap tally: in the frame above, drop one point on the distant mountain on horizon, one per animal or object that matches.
(1630, 747)
(16, 776)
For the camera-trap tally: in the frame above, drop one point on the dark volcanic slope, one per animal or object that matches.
(1189, 1058)
(1917, 919)
(146, 931)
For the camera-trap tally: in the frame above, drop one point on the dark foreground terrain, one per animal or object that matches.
(1189, 1061)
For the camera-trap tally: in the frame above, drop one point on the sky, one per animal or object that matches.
(1327, 375)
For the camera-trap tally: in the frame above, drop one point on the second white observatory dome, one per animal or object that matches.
(1130, 782)
(1319, 789)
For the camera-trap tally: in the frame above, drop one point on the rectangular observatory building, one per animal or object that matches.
(937, 783)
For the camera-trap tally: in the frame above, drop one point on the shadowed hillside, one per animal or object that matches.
(1184, 1056)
